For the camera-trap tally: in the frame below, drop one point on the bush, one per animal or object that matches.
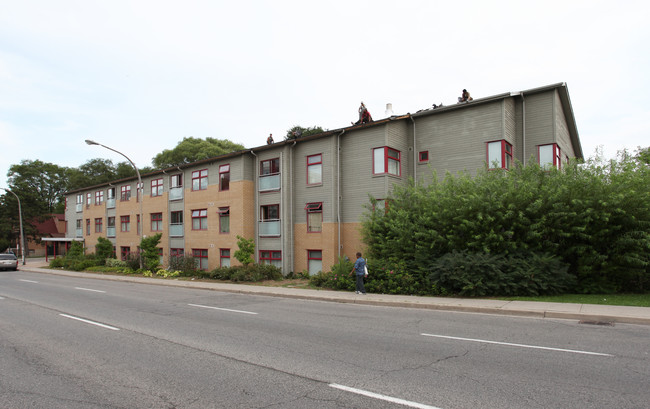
(249, 273)
(483, 274)
(338, 278)
(185, 264)
(113, 262)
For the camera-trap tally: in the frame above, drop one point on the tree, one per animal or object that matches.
(103, 250)
(246, 250)
(643, 155)
(298, 131)
(192, 149)
(39, 185)
(149, 246)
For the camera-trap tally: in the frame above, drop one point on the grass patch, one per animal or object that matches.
(633, 300)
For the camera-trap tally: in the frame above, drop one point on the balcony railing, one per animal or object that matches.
(176, 230)
(80, 207)
(110, 232)
(175, 193)
(79, 232)
(271, 182)
(110, 203)
(269, 228)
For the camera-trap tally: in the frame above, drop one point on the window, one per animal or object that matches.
(156, 222)
(423, 156)
(549, 156)
(87, 227)
(80, 228)
(200, 258)
(176, 224)
(176, 252)
(314, 217)
(99, 197)
(125, 193)
(98, 225)
(270, 212)
(110, 193)
(386, 161)
(200, 219)
(315, 169)
(271, 257)
(125, 223)
(224, 220)
(160, 255)
(224, 257)
(110, 226)
(176, 181)
(156, 187)
(89, 199)
(125, 252)
(138, 223)
(200, 179)
(224, 177)
(314, 261)
(270, 167)
(80, 199)
(380, 205)
(499, 155)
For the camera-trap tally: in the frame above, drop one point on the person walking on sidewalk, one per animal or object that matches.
(359, 269)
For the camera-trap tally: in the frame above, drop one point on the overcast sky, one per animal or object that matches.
(140, 75)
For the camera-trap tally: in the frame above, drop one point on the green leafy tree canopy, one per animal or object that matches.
(192, 149)
(299, 131)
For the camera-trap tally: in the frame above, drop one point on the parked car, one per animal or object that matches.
(8, 261)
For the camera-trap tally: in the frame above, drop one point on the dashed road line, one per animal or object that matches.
(382, 397)
(89, 289)
(222, 309)
(72, 317)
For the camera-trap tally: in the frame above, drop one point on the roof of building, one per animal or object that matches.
(49, 226)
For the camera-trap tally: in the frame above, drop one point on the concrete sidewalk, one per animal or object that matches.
(580, 312)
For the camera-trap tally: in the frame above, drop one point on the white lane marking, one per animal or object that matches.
(382, 397)
(28, 281)
(89, 322)
(222, 309)
(89, 289)
(518, 345)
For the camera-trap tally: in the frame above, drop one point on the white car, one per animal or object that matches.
(8, 261)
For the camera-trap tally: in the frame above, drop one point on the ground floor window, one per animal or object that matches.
(314, 261)
(125, 252)
(224, 255)
(271, 257)
(201, 258)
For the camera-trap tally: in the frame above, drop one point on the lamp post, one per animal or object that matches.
(20, 221)
(137, 192)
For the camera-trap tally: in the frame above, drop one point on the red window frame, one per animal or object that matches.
(505, 154)
(200, 179)
(125, 193)
(99, 197)
(223, 213)
(313, 162)
(266, 210)
(202, 256)
(89, 199)
(87, 227)
(314, 208)
(176, 180)
(270, 167)
(156, 187)
(99, 223)
(556, 152)
(389, 154)
(270, 256)
(224, 177)
(156, 222)
(223, 255)
(125, 223)
(176, 252)
(423, 156)
(202, 216)
(125, 252)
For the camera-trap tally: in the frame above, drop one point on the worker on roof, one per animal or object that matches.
(364, 115)
(269, 140)
(464, 97)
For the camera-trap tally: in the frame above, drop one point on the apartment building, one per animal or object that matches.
(301, 200)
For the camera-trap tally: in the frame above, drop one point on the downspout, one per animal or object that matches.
(291, 227)
(282, 209)
(523, 128)
(415, 153)
(338, 189)
(255, 205)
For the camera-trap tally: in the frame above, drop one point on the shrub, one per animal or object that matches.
(103, 250)
(338, 278)
(185, 264)
(484, 274)
(113, 262)
(246, 249)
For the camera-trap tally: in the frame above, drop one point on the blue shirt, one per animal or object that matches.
(358, 266)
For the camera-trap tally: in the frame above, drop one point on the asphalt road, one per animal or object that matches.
(81, 343)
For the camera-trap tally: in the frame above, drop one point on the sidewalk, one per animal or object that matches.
(581, 312)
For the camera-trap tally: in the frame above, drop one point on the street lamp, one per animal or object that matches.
(137, 192)
(20, 220)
